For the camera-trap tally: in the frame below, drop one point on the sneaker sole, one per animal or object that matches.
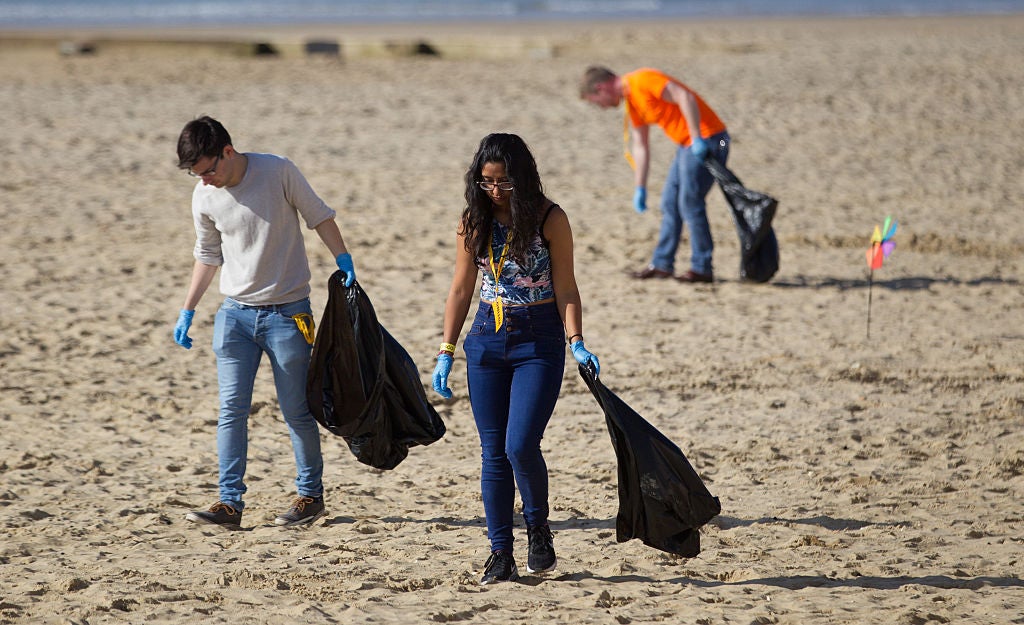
(514, 578)
(195, 518)
(550, 568)
(284, 523)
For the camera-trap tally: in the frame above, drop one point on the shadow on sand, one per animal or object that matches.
(899, 284)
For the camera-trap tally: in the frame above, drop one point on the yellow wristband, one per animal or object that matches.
(448, 347)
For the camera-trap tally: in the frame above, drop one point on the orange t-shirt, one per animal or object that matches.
(645, 106)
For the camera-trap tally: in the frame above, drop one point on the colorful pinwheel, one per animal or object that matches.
(881, 246)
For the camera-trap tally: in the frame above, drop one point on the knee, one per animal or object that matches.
(522, 454)
(670, 210)
(493, 456)
(696, 209)
(231, 416)
(298, 416)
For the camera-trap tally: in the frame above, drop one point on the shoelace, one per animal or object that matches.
(498, 560)
(541, 539)
(300, 503)
(220, 505)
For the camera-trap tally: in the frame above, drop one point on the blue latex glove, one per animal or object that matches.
(640, 199)
(699, 147)
(585, 358)
(181, 328)
(345, 264)
(441, 371)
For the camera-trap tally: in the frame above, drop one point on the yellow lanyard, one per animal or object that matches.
(625, 135)
(499, 314)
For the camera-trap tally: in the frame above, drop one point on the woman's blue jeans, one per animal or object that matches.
(241, 335)
(515, 376)
(683, 201)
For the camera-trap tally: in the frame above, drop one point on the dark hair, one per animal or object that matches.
(203, 136)
(526, 201)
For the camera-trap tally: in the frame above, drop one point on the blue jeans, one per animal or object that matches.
(515, 376)
(241, 334)
(682, 200)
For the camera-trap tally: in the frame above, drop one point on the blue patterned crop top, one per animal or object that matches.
(525, 283)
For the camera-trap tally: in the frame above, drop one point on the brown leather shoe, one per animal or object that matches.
(649, 272)
(692, 276)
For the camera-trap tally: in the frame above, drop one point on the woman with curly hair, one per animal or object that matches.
(515, 352)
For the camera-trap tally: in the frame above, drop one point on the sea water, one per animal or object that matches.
(21, 14)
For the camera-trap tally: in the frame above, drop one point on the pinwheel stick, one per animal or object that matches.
(871, 273)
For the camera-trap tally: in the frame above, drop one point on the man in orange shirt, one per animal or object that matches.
(653, 97)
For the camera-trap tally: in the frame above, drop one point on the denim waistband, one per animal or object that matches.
(550, 300)
(273, 307)
(543, 309)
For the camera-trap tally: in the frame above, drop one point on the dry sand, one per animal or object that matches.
(861, 481)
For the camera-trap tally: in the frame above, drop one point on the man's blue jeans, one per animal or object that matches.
(682, 200)
(241, 334)
(515, 376)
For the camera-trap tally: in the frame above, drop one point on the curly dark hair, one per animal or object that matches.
(526, 202)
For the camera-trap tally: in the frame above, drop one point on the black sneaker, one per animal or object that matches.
(219, 513)
(304, 510)
(541, 550)
(500, 567)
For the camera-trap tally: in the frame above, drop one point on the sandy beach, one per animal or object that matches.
(862, 480)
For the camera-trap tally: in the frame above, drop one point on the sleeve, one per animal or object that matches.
(208, 242)
(300, 194)
(645, 88)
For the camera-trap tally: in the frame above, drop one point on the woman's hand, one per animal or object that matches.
(441, 371)
(585, 358)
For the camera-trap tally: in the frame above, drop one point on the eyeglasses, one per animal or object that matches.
(487, 185)
(209, 172)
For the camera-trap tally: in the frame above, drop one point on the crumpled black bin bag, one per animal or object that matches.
(662, 500)
(752, 212)
(362, 384)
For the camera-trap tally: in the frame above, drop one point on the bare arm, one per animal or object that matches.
(460, 295)
(687, 104)
(202, 276)
(563, 274)
(330, 234)
(639, 146)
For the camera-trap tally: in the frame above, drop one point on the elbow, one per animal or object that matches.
(459, 296)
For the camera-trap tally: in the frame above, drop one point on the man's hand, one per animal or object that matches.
(699, 147)
(640, 199)
(181, 328)
(345, 265)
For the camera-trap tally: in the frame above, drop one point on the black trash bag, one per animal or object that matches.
(753, 213)
(763, 262)
(662, 500)
(362, 384)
